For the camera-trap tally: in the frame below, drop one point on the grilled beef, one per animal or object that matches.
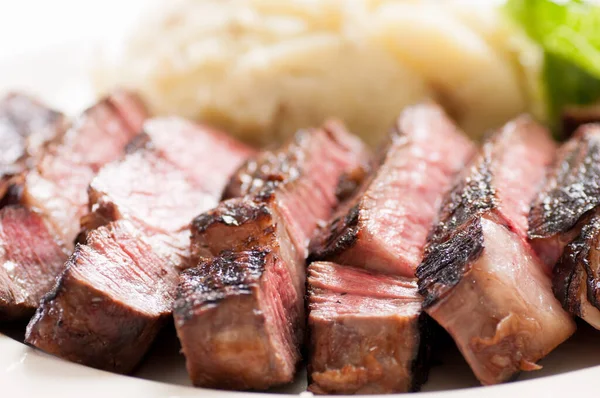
(109, 302)
(577, 273)
(238, 316)
(385, 227)
(58, 188)
(37, 237)
(570, 191)
(164, 204)
(27, 127)
(118, 287)
(240, 313)
(30, 259)
(365, 331)
(481, 281)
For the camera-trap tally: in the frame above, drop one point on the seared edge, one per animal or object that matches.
(577, 272)
(226, 275)
(571, 188)
(447, 261)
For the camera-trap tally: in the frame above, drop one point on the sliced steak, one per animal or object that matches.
(38, 236)
(27, 127)
(125, 275)
(577, 274)
(570, 191)
(30, 259)
(481, 281)
(365, 331)
(58, 188)
(109, 303)
(239, 319)
(240, 313)
(385, 227)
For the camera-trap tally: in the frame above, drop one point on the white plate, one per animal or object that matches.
(58, 75)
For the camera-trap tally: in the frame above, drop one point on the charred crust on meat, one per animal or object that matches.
(472, 196)
(232, 213)
(230, 273)
(49, 297)
(571, 188)
(576, 268)
(339, 235)
(447, 261)
(262, 174)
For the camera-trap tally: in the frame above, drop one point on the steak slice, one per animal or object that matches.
(30, 258)
(27, 127)
(58, 188)
(365, 331)
(385, 227)
(570, 191)
(173, 191)
(109, 303)
(240, 313)
(38, 236)
(576, 279)
(137, 238)
(481, 281)
(304, 170)
(237, 317)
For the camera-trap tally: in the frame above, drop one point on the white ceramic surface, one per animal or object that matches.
(57, 73)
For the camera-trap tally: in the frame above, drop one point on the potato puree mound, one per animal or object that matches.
(264, 68)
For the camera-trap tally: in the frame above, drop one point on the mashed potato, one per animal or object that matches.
(264, 68)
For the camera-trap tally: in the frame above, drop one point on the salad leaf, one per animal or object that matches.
(569, 33)
(566, 29)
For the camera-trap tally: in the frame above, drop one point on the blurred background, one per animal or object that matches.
(264, 68)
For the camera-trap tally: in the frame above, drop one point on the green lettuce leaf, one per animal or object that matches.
(569, 34)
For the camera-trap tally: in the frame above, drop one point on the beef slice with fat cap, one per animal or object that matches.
(480, 278)
(35, 242)
(384, 228)
(27, 127)
(366, 331)
(570, 191)
(118, 288)
(240, 312)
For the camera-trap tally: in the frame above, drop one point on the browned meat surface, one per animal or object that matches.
(109, 303)
(240, 313)
(30, 259)
(481, 280)
(365, 332)
(249, 283)
(26, 128)
(385, 227)
(577, 273)
(119, 286)
(239, 316)
(58, 188)
(570, 191)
